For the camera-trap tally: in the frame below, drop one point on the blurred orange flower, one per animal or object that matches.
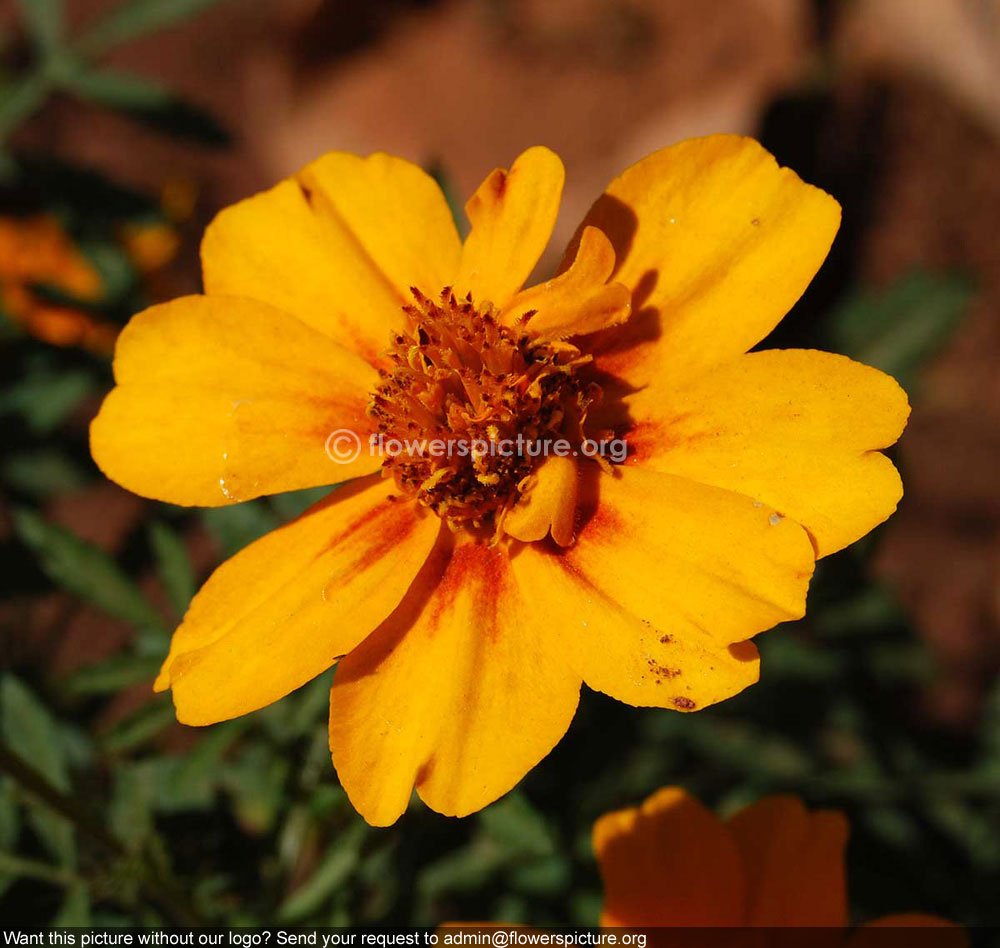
(465, 597)
(673, 863)
(150, 245)
(36, 251)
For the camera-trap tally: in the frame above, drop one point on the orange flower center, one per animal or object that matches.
(470, 407)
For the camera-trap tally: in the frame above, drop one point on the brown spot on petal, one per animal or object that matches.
(684, 704)
(661, 671)
(500, 184)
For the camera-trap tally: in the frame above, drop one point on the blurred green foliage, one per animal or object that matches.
(898, 328)
(72, 65)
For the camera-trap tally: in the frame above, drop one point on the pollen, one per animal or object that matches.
(469, 406)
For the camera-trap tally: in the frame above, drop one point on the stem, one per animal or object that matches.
(16, 866)
(21, 101)
(159, 891)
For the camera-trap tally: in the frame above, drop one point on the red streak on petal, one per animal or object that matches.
(377, 532)
(484, 572)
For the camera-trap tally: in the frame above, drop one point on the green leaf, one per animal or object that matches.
(134, 18)
(18, 102)
(32, 733)
(177, 789)
(141, 727)
(547, 876)
(149, 102)
(256, 783)
(75, 909)
(10, 826)
(973, 829)
(892, 825)
(173, 565)
(118, 274)
(300, 713)
(789, 657)
(899, 328)
(190, 782)
(44, 21)
(119, 90)
(465, 869)
(239, 525)
(439, 173)
(130, 812)
(873, 608)
(902, 661)
(44, 396)
(309, 706)
(518, 826)
(84, 570)
(14, 867)
(333, 871)
(42, 473)
(585, 907)
(114, 674)
(56, 833)
(294, 502)
(10, 814)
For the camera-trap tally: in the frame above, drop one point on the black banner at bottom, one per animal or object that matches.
(463, 935)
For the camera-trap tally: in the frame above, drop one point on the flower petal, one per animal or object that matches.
(669, 863)
(580, 300)
(716, 243)
(287, 607)
(460, 692)
(620, 654)
(548, 504)
(338, 245)
(799, 430)
(793, 862)
(512, 216)
(725, 570)
(221, 399)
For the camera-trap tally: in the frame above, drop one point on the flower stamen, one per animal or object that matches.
(484, 394)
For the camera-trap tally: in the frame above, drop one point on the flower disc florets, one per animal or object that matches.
(476, 405)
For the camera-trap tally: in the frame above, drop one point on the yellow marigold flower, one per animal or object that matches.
(465, 599)
(36, 251)
(673, 863)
